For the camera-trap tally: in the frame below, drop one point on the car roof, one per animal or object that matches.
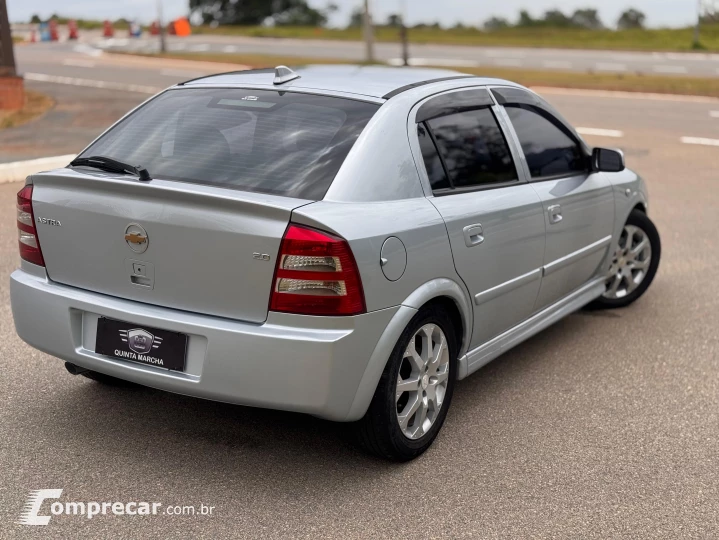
(375, 81)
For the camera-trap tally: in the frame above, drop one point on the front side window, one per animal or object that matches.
(549, 150)
(283, 143)
(473, 148)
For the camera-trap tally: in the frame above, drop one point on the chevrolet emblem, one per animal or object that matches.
(135, 238)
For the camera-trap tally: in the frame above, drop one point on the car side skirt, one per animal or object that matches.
(482, 355)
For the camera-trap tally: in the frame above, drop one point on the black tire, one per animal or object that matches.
(379, 431)
(638, 219)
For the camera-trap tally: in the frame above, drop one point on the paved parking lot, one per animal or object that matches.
(605, 425)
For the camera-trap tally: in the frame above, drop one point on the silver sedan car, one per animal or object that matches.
(342, 241)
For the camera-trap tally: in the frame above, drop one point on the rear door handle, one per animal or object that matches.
(555, 214)
(473, 235)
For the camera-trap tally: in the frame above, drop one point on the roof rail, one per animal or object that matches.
(422, 83)
(239, 71)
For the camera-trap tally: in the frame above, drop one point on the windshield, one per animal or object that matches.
(283, 143)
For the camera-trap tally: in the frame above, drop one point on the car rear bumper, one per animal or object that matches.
(316, 365)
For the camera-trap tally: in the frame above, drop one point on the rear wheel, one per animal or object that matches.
(634, 263)
(415, 390)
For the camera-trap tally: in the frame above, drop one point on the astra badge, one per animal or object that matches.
(140, 341)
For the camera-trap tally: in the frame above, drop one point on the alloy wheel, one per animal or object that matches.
(630, 263)
(422, 381)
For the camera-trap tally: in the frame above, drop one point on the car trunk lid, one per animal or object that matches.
(206, 249)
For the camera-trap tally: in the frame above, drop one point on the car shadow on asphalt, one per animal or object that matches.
(130, 424)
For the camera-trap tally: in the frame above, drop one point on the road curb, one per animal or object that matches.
(17, 171)
(129, 59)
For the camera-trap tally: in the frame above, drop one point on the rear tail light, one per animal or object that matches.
(316, 274)
(27, 234)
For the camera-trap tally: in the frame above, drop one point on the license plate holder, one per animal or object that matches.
(142, 344)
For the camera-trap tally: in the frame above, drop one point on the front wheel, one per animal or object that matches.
(415, 390)
(634, 264)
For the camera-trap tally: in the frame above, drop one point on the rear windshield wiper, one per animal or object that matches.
(112, 165)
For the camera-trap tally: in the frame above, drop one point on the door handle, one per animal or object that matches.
(555, 214)
(473, 235)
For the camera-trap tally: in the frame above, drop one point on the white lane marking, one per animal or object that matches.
(180, 73)
(19, 170)
(557, 64)
(78, 63)
(610, 66)
(505, 53)
(692, 56)
(702, 141)
(199, 48)
(42, 77)
(669, 69)
(229, 49)
(87, 49)
(714, 114)
(623, 95)
(600, 132)
(508, 62)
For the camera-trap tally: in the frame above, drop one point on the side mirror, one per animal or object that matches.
(606, 160)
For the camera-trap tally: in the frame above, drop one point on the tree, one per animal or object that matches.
(496, 23)
(14, 94)
(356, 18)
(556, 19)
(254, 12)
(301, 15)
(631, 18)
(709, 17)
(35, 19)
(434, 25)
(394, 20)
(587, 18)
(525, 19)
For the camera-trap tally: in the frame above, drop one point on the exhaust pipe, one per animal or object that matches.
(72, 369)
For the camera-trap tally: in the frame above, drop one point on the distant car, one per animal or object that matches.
(346, 242)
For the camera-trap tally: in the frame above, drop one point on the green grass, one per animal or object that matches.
(596, 81)
(697, 86)
(666, 39)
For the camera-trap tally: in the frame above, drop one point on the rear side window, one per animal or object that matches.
(473, 149)
(266, 141)
(549, 149)
(432, 162)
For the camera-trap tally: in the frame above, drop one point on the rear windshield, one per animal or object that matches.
(267, 141)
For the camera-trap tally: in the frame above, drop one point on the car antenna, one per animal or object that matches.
(284, 74)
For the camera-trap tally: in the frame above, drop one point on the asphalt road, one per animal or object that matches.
(603, 426)
(661, 63)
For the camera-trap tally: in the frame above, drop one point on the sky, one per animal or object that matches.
(446, 12)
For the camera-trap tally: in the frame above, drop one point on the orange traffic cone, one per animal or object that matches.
(53, 30)
(107, 29)
(72, 27)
